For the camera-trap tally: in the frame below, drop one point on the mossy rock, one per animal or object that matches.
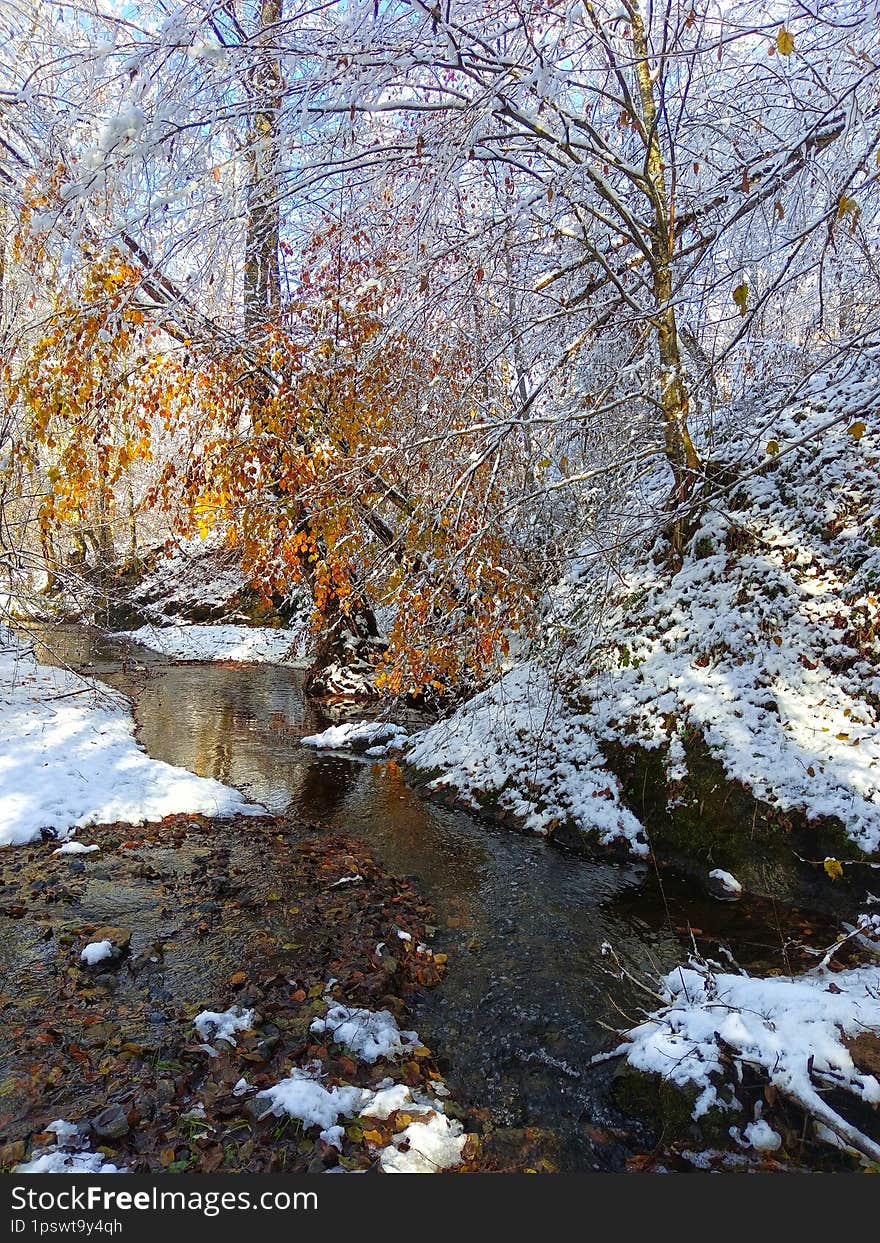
(668, 1107)
(575, 839)
(714, 822)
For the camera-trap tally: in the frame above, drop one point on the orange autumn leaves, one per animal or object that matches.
(306, 451)
(84, 424)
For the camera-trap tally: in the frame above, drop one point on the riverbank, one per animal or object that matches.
(172, 983)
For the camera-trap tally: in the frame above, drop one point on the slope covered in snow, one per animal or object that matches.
(519, 747)
(764, 642)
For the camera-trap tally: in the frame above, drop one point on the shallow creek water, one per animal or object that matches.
(526, 1000)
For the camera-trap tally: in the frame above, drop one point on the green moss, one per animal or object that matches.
(716, 822)
(669, 1107)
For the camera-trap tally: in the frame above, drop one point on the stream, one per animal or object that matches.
(527, 999)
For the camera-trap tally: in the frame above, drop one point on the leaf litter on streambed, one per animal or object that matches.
(254, 913)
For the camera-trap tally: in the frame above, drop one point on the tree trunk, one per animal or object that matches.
(349, 633)
(680, 452)
(262, 283)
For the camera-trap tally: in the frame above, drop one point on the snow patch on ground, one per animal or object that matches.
(69, 758)
(370, 1034)
(426, 1146)
(429, 1141)
(761, 1136)
(222, 1025)
(66, 1156)
(303, 1097)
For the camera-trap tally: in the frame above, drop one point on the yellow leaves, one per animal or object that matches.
(857, 430)
(784, 42)
(772, 448)
(833, 868)
(847, 207)
(741, 297)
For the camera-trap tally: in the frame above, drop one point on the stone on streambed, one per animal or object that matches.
(111, 1123)
(723, 886)
(106, 948)
(668, 1106)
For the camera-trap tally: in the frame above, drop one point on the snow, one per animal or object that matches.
(792, 1029)
(426, 1146)
(726, 880)
(75, 848)
(222, 1025)
(191, 641)
(97, 952)
(429, 1143)
(69, 758)
(761, 1136)
(58, 1162)
(303, 1097)
(373, 738)
(369, 1034)
(518, 742)
(65, 1156)
(387, 1100)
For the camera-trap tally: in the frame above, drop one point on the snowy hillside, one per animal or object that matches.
(763, 644)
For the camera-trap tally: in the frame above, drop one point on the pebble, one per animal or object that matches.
(111, 1123)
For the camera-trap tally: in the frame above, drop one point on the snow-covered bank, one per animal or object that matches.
(70, 1154)
(763, 642)
(249, 644)
(69, 758)
(519, 745)
(795, 1034)
(198, 574)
